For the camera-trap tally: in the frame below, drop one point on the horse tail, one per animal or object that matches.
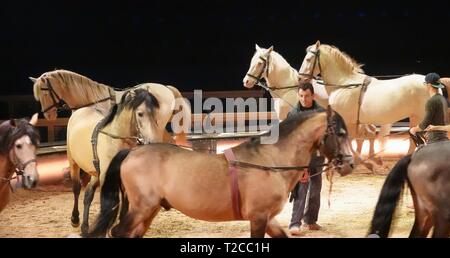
(185, 110)
(389, 196)
(109, 196)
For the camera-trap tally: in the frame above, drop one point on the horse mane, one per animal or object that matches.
(130, 101)
(343, 59)
(286, 127)
(81, 87)
(10, 133)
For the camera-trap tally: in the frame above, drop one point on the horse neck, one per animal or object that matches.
(122, 125)
(334, 73)
(293, 150)
(281, 74)
(6, 168)
(80, 94)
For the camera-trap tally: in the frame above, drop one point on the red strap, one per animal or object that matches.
(234, 185)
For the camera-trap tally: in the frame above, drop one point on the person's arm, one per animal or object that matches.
(429, 112)
(438, 128)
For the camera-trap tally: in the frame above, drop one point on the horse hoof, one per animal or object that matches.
(75, 222)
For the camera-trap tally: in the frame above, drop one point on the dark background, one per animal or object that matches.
(208, 44)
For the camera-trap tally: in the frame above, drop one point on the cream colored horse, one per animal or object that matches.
(385, 101)
(270, 65)
(51, 88)
(135, 117)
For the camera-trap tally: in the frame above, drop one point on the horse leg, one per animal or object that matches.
(88, 197)
(258, 226)
(359, 145)
(76, 188)
(441, 227)
(275, 230)
(143, 227)
(422, 220)
(124, 206)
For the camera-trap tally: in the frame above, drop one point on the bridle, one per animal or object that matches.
(265, 69)
(57, 101)
(19, 168)
(316, 63)
(331, 131)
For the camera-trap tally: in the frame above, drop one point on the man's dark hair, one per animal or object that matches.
(306, 86)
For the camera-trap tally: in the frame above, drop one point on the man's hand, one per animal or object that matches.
(431, 128)
(305, 177)
(414, 130)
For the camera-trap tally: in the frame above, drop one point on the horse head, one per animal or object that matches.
(336, 144)
(21, 144)
(45, 93)
(310, 67)
(259, 67)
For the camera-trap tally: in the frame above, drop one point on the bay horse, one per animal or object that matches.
(19, 140)
(427, 174)
(282, 82)
(383, 102)
(130, 122)
(198, 184)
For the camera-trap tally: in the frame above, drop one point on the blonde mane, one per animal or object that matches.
(80, 87)
(342, 59)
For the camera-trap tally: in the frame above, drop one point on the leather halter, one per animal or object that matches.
(265, 69)
(316, 63)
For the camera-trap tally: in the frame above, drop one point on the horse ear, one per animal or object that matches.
(34, 119)
(12, 122)
(257, 47)
(317, 44)
(270, 49)
(32, 79)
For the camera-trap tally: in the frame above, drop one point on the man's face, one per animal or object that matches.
(306, 98)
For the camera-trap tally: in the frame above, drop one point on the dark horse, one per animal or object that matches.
(198, 184)
(427, 173)
(18, 143)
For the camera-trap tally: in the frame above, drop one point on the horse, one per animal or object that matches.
(282, 81)
(362, 99)
(198, 184)
(427, 175)
(92, 141)
(19, 140)
(61, 89)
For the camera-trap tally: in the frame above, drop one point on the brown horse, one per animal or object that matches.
(427, 173)
(198, 184)
(18, 143)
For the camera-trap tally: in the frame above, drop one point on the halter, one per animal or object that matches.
(59, 103)
(265, 69)
(316, 62)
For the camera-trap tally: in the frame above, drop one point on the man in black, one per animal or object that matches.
(313, 184)
(436, 110)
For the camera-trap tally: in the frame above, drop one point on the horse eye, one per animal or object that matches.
(140, 114)
(19, 146)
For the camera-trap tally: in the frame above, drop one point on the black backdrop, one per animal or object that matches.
(208, 44)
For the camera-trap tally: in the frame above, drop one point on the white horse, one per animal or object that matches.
(384, 102)
(282, 80)
(65, 89)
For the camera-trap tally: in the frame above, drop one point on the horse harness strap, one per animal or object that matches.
(363, 90)
(235, 196)
(94, 141)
